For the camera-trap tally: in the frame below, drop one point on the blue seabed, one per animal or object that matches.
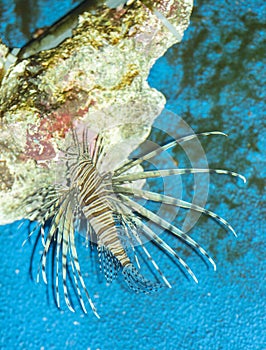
(215, 80)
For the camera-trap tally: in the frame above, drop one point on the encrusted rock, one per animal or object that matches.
(97, 77)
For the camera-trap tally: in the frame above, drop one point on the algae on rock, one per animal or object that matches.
(97, 77)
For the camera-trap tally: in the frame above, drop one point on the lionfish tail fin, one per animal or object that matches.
(109, 264)
(137, 282)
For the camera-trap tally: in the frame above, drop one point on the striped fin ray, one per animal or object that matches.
(129, 239)
(77, 267)
(58, 247)
(37, 226)
(169, 227)
(74, 155)
(81, 301)
(45, 209)
(90, 236)
(50, 211)
(72, 242)
(176, 202)
(64, 228)
(58, 240)
(98, 150)
(146, 213)
(65, 241)
(44, 212)
(51, 234)
(164, 246)
(133, 162)
(168, 172)
(139, 241)
(137, 282)
(85, 142)
(45, 193)
(82, 147)
(71, 165)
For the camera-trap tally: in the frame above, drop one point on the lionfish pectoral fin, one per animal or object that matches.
(137, 282)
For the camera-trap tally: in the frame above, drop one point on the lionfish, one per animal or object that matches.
(103, 203)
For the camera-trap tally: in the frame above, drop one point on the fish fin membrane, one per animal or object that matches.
(137, 282)
(109, 263)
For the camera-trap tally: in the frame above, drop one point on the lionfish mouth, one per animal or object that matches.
(115, 223)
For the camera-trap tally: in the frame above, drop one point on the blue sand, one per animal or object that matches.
(215, 80)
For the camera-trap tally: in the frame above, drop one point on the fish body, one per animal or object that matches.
(114, 222)
(92, 198)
